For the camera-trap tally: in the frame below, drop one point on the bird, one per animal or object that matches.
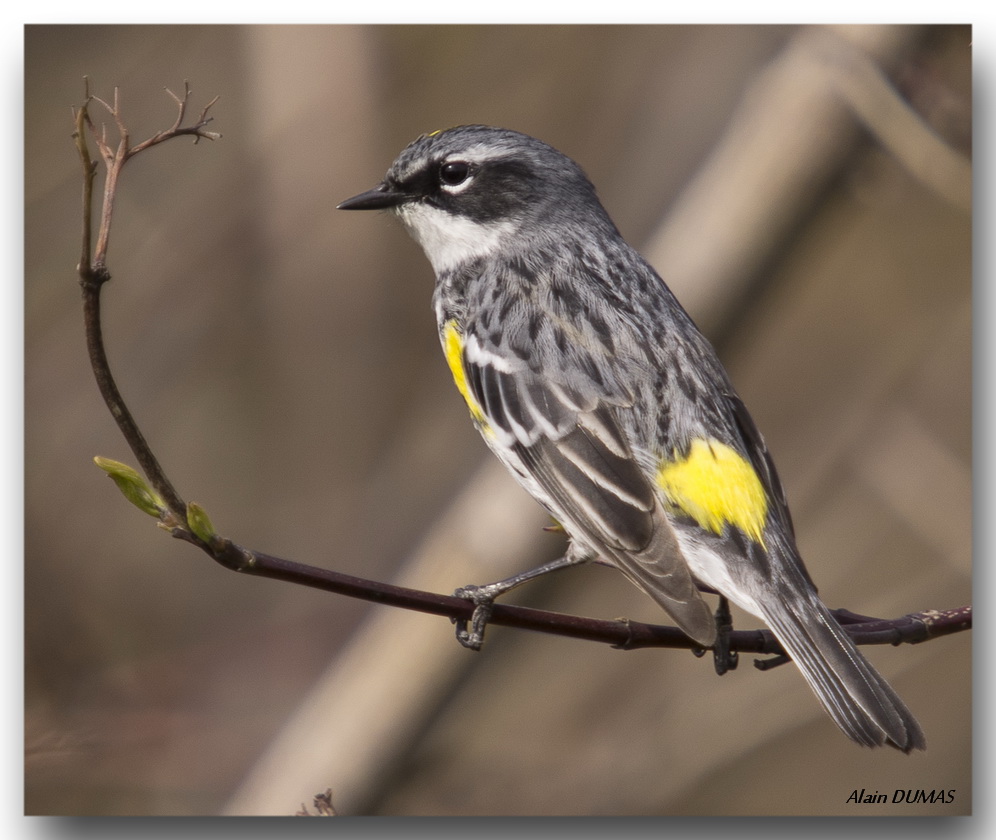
(593, 386)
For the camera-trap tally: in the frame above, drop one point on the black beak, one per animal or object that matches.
(380, 197)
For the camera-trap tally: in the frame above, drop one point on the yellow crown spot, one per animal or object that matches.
(453, 349)
(716, 486)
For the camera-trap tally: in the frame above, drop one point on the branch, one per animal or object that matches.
(189, 522)
(92, 267)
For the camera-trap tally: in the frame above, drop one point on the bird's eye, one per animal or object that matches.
(453, 173)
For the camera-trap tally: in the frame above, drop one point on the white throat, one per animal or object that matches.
(448, 240)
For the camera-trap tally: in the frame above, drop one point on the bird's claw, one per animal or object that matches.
(483, 601)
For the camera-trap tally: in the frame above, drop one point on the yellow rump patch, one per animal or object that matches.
(453, 349)
(716, 486)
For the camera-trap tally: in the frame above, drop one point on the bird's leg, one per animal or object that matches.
(723, 658)
(483, 598)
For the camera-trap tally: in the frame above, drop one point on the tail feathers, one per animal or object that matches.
(860, 702)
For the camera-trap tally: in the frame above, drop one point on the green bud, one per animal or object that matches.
(133, 486)
(199, 522)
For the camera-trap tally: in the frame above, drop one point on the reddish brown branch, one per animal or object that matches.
(621, 633)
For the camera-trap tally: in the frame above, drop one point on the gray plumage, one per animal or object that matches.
(590, 382)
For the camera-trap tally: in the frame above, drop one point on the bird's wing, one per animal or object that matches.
(562, 439)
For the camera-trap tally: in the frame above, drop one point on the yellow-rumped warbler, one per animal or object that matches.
(592, 385)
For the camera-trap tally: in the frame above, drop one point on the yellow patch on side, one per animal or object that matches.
(453, 349)
(716, 486)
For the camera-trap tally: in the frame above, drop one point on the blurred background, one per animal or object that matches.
(804, 190)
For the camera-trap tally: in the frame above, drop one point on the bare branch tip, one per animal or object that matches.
(204, 118)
